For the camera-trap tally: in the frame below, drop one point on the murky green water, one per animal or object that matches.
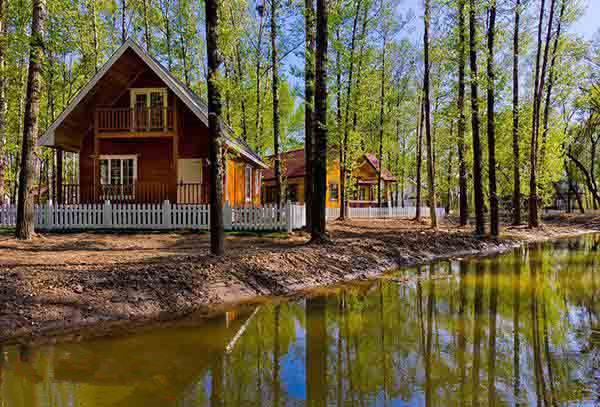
(519, 329)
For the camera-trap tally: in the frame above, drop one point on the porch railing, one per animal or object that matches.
(139, 192)
(112, 119)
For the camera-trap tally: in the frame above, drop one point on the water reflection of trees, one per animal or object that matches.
(520, 329)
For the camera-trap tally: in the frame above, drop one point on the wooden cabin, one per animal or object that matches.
(142, 136)
(364, 177)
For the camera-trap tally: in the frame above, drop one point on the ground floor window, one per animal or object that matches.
(118, 169)
(333, 192)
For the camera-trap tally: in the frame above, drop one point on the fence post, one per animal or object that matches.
(107, 215)
(166, 213)
(46, 218)
(288, 215)
(370, 215)
(227, 216)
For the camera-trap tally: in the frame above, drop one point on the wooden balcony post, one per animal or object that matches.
(59, 175)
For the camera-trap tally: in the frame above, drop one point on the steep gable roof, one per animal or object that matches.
(385, 174)
(184, 93)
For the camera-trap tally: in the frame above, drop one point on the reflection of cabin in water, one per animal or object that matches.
(142, 136)
(154, 368)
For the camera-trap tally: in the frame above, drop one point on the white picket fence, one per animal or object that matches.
(150, 216)
(298, 213)
(169, 216)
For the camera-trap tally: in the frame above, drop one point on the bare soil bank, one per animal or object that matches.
(64, 282)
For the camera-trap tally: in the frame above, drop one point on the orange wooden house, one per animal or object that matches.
(142, 136)
(364, 177)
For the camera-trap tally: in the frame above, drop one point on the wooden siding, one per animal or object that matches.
(333, 177)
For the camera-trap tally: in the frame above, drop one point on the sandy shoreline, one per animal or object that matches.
(64, 283)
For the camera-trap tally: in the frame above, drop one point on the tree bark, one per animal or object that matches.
(276, 117)
(538, 84)
(475, 123)
(3, 83)
(515, 130)
(95, 34)
(491, 121)
(551, 83)
(258, 120)
(381, 119)
(320, 125)
(428, 137)
(462, 162)
(419, 149)
(217, 233)
(343, 163)
(147, 34)
(25, 215)
(123, 23)
(309, 100)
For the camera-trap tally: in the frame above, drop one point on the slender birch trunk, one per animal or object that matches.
(428, 136)
(462, 162)
(491, 121)
(515, 139)
(276, 117)
(25, 215)
(475, 123)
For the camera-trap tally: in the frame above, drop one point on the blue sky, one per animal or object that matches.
(587, 25)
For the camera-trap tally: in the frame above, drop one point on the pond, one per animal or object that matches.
(522, 328)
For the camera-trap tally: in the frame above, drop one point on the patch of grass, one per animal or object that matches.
(259, 233)
(7, 231)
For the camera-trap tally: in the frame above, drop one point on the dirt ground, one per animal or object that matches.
(64, 282)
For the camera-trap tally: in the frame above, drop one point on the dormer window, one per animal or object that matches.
(149, 108)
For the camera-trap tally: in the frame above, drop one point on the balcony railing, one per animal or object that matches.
(115, 119)
(140, 192)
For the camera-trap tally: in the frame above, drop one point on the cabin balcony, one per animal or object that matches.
(128, 122)
(137, 192)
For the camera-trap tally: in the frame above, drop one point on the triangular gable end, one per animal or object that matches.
(192, 101)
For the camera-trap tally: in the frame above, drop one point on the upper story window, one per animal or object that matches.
(149, 107)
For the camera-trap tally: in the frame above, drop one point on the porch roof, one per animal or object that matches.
(68, 129)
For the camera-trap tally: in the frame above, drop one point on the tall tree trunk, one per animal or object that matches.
(538, 88)
(123, 22)
(475, 123)
(419, 149)
(258, 118)
(551, 84)
(167, 22)
(515, 131)
(217, 234)
(462, 162)
(95, 34)
(276, 117)
(25, 215)
(3, 161)
(309, 100)
(320, 125)
(491, 121)
(147, 33)
(428, 137)
(344, 163)
(449, 175)
(381, 119)
(240, 80)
